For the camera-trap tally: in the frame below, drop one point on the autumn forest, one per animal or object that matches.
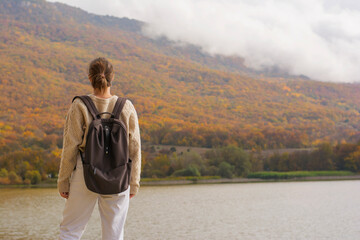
(183, 97)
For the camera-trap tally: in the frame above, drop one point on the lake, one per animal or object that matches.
(273, 210)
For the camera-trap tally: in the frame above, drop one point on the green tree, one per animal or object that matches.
(4, 173)
(14, 178)
(192, 158)
(238, 158)
(283, 163)
(233, 155)
(176, 162)
(22, 168)
(322, 158)
(352, 162)
(341, 152)
(226, 170)
(191, 170)
(158, 166)
(34, 176)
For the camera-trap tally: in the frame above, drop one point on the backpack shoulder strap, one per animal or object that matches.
(120, 102)
(89, 104)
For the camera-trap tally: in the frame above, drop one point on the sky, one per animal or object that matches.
(316, 38)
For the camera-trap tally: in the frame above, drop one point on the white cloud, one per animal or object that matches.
(316, 38)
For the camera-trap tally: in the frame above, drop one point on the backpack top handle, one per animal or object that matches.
(112, 115)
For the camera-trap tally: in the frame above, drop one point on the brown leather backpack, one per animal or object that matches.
(106, 163)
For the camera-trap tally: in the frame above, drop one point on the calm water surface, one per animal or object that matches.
(281, 210)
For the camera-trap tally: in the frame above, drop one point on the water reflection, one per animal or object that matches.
(283, 210)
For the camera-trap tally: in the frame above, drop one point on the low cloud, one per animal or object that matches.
(316, 38)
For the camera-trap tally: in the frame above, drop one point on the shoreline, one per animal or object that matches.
(246, 180)
(167, 182)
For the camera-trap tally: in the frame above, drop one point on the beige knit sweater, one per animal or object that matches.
(76, 127)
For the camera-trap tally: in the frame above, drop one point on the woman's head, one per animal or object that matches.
(101, 74)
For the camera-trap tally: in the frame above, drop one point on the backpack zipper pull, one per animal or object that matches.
(107, 136)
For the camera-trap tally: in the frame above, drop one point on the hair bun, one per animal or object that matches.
(101, 73)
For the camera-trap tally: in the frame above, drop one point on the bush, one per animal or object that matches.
(27, 181)
(158, 166)
(295, 174)
(232, 155)
(226, 170)
(4, 173)
(14, 178)
(156, 173)
(191, 170)
(4, 180)
(34, 176)
(180, 172)
(210, 171)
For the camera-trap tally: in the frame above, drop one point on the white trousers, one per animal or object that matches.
(80, 205)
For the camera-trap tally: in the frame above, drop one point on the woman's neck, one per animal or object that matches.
(105, 94)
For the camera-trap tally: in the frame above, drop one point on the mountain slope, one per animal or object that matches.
(182, 96)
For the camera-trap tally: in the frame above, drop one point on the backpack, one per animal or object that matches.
(106, 163)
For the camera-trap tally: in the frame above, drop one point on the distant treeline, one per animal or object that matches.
(30, 166)
(231, 161)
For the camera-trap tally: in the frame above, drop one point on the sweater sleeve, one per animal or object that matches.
(134, 151)
(72, 138)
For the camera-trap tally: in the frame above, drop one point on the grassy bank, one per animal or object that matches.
(252, 177)
(258, 177)
(189, 178)
(298, 174)
(48, 183)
